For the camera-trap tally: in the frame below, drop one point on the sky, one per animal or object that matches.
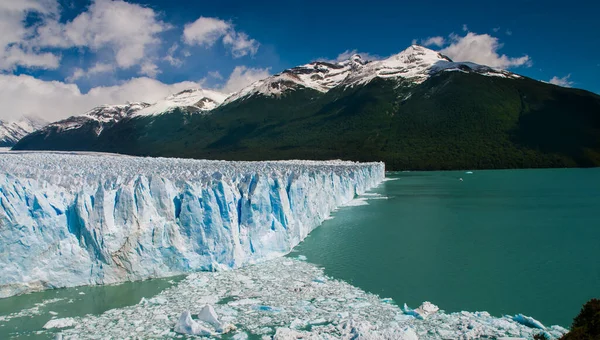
(60, 58)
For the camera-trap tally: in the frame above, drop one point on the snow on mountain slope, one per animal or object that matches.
(11, 132)
(415, 64)
(70, 219)
(319, 76)
(193, 100)
(102, 115)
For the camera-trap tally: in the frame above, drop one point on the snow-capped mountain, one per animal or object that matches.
(192, 100)
(415, 64)
(99, 117)
(12, 132)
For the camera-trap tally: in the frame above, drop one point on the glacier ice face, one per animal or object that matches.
(70, 219)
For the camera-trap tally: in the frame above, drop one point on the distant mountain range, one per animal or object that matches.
(415, 110)
(12, 132)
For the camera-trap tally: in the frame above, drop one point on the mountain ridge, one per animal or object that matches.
(414, 110)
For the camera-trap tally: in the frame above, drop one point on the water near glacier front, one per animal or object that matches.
(507, 242)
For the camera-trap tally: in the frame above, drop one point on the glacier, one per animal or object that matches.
(69, 219)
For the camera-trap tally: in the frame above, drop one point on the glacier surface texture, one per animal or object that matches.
(69, 219)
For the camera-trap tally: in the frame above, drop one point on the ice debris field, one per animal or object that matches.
(286, 298)
(69, 219)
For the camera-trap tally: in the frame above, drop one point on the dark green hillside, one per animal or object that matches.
(453, 120)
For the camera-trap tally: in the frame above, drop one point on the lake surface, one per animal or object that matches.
(507, 242)
(38, 308)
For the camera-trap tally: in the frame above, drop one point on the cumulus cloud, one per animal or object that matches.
(243, 76)
(127, 29)
(564, 81)
(465, 28)
(240, 44)
(53, 100)
(207, 31)
(98, 68)
(481, 49)
(149, 69)
(14, 51)
(431, 41)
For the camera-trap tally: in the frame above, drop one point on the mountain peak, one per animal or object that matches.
(11, 132)
(194, 99)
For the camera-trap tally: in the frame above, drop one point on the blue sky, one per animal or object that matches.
(91, 52)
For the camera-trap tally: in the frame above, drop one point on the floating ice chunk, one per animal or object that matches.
(288, 334)
(425, 309)
(407, 333)
(208, 314)
(157, 300)
(528, 321)
(301, 257)
(60, 323)
(469, 172)
(240, 336)
(186, 325)
(428, 308)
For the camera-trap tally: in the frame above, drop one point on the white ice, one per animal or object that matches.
(279, 299)
(69, 219)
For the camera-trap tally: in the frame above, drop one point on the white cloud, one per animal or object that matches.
(215, 74)
(149, 69)
(170, 58)
(465, 28)
(25, 95)
(496, 29)
(437, 41)
(243, 76)
(481, 49)
(129, 30)
(98, 68)
(13, 49)
(508, 32)
(564, 81)
(240, 44)
(207, 31)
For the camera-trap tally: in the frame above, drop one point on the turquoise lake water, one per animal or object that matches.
(507, 242)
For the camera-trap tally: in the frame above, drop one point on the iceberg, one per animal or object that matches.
(528, 321)
(70, 219)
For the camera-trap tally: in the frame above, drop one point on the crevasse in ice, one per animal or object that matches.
(69, 219)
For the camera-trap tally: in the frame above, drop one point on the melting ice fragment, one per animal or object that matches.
(186, 325)
(528, 321)
(208, 314)
(425, 309)
(60, 323)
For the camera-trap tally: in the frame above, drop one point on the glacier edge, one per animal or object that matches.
(69, 219)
